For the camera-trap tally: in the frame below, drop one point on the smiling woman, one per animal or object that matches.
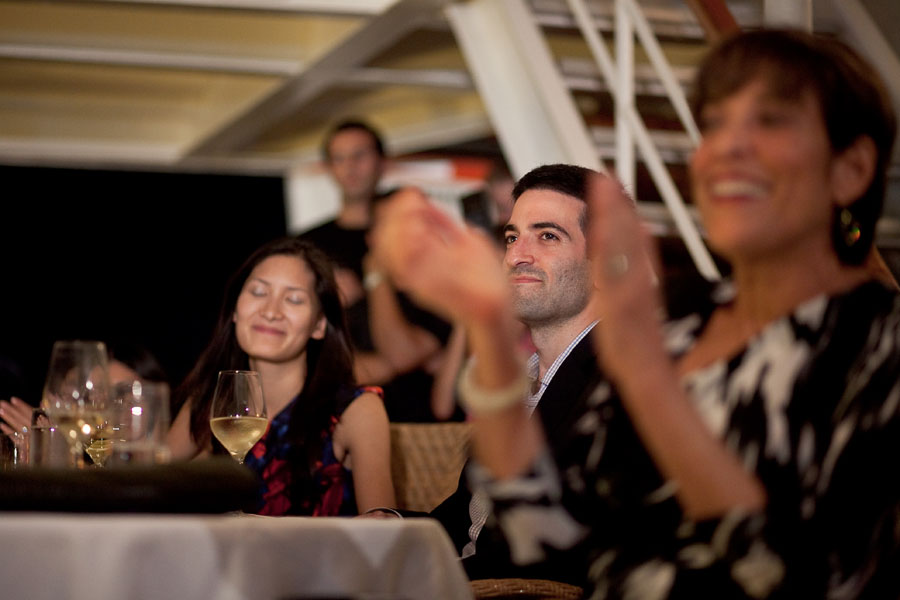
(745, 450)
(326, 451)
(277, 313)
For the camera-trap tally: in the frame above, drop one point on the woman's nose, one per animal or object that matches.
(732, 138)
(271, 309)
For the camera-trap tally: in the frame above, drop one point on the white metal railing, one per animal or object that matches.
(619, 80)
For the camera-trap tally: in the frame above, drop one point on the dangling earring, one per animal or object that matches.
(849, 228)
(847, 235)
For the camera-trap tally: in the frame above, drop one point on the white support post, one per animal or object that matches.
(625, 158)
(532, 111)
(788, 13)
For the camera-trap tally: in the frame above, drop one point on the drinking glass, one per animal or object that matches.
(47, 447)
(136, 430)
(76, 392)
(13, 451)
(238, 414)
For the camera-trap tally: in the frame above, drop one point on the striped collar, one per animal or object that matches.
(533, 369)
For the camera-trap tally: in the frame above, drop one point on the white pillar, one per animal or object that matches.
(530, 107)
(788, 13)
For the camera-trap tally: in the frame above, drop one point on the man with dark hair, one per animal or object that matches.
(353, 153)
(549, 272)
(392, 338)
(352, 125)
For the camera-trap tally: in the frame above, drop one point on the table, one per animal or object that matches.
(227, 557)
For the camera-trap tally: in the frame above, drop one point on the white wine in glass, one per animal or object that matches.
(76, 391)
(238, 413)
(99, 449)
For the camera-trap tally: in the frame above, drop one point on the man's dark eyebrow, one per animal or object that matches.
(510, 227)
(551, 225)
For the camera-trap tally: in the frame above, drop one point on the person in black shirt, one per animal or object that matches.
(397, 345)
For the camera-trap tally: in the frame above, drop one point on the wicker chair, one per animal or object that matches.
(525, 589)
(426, 460)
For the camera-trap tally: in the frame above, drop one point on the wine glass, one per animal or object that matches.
(76, 392)
(238, 414)
(135, 432)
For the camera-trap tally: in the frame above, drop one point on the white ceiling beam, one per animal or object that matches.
(153, 59)
(363, 76)
(579, 74)
(440, 78)
(83, 153)
(328, 71)
(363, 8)
(142, 156)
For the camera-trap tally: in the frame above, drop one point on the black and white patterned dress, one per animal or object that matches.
(810, 405)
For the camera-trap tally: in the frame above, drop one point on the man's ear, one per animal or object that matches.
(852, 171)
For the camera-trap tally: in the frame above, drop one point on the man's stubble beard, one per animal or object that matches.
(544, 306)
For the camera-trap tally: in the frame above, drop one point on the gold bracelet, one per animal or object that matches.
(476, 399)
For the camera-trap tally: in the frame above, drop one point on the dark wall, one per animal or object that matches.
(121, 255)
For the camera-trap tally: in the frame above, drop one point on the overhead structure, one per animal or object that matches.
(250, 86)
(372, 37)
(531, 109)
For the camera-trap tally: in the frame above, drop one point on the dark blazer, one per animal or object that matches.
(561, 404)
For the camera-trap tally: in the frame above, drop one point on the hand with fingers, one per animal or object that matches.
(447, 267)
(627, 295)
(16, 419)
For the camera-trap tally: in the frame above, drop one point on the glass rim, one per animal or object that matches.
(144, 383)
(79, 342)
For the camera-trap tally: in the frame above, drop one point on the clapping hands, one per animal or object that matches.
(446, 266)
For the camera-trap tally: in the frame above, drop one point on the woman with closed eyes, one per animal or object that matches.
(327, 448)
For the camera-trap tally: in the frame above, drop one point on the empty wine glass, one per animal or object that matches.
(135, 432)
(76, 391)
(46, 446)
(238, 414)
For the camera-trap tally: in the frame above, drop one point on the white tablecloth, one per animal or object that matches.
(232, 557)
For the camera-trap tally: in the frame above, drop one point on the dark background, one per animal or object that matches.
(110, 255)
(144, 257)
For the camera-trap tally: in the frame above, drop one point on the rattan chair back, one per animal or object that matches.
(525, 589)
(426, 460)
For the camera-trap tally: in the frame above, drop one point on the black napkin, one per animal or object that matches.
(215, 485)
